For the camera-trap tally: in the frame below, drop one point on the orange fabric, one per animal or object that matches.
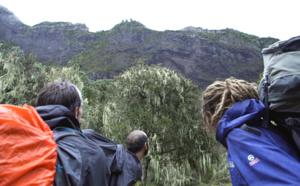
(27, 149)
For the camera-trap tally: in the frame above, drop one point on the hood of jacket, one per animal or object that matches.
(246, 112)
(58, 116)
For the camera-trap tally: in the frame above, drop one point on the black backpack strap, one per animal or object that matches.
(294, 125)
(60, 132)
(58, 136)
(252, 130)
(266, 116)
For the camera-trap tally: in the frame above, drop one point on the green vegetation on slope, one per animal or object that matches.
(157, 100)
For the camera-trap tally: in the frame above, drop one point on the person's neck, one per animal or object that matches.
(140, 155)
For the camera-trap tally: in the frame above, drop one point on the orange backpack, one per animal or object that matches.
(27, 150)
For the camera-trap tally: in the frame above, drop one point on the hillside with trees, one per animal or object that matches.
(152, 98)
(198, 54)
(132, 77)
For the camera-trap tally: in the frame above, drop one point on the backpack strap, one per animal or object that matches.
(60, 132)
(294, 125)
(252, 130)
(266, 116)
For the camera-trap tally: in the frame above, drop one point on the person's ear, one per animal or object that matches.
(146, 148)
(207, 118)
(76, 112)
(208, 121)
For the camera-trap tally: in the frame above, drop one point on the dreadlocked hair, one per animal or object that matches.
(221, 95)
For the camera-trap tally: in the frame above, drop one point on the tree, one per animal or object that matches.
(154, 99)
(96, 94)
(20, 77)
(166, 106)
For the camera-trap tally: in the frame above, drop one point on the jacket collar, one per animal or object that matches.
(248, 111)
(58, 116)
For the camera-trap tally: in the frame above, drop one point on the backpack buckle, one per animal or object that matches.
(289, 121)
(252, 130)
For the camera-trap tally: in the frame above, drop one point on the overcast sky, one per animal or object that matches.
(263, 18)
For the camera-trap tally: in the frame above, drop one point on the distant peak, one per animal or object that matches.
(64, 25)
(7, 17)
(201, 30)
(5, 11)
(131, 23)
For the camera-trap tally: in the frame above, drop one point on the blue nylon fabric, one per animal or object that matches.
(267, 159)
(248, 111)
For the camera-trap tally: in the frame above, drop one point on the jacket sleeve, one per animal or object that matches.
(263, 160)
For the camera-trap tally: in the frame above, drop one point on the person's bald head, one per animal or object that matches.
(136, 141)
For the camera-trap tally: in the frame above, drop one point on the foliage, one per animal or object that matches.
(96, 94)
(20, 77)
(167, 107)
(154, 99)
(130, 25)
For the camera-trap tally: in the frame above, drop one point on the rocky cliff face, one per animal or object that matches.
(51, 42)
(10, 25)
(199, 54)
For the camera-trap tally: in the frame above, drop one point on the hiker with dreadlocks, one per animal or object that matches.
(256, 155)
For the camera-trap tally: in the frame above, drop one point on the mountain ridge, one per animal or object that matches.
(199, 54)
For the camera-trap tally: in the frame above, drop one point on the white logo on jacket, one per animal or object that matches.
(251, 157)
(252, 160)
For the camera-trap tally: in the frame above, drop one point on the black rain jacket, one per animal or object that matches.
(125, 168)
(81, 162)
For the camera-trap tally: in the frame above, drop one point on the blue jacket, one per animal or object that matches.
(265, 159)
